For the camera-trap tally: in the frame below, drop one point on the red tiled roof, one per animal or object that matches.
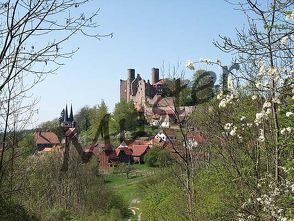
(160, 82)
(170, 133)
(198, 137)
(124, 149)
(131, 143)
(46, 138)
(139, 150)
(163, 111)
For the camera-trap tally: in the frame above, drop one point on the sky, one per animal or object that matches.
(146, 34)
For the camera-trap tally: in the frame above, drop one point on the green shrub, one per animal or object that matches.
(151, 156)
(158, 157)
(59, 214)
(12, 211)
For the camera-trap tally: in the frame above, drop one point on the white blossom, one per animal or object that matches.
(286, 130)
(219, 96)
(284, 40)
(242, 118)
(228, 126)
(190, 65)
(207, 60)
(228, 100)
(272, 71)
(290, 16)
(289, 114)
(276, 100)
(261, 137)
(260, 116)
(249, 124)
(233, 131)
(268, 111)
(261, 68)
(268, 200)
(222, 103)
(258, 85)
(254, 97)
(266, 105)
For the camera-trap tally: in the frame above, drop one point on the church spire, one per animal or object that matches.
(66, 114)
(71, 118)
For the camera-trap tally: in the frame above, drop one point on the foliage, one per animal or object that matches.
(185, 98)
(217, 199)
(202, 89)
(88, 121)
(157, 156)
(164, 158)
(124, 117)
(27, 145)
(58, 214)
(84, 118)
(246, 163)
(11, 211)
(81, 190)
(151, 156)
(124, 168)
(162, 198)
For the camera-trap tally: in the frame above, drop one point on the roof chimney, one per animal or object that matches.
(155, 75)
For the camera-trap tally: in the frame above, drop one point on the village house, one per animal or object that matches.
(138, 152)
(123, 153)
(167, 135)
(129, 151)
(46, 141)
(138, 148)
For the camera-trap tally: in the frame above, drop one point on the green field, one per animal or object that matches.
(128, 187)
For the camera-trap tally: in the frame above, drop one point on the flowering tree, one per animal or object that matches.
(255, 134)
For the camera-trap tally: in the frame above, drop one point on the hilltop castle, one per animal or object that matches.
(149, 100)
(140, 91)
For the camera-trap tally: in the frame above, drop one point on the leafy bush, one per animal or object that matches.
(158, 157)
(58, 214)
(151, 156)
(11, 211)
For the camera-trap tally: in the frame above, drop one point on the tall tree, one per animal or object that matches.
(124, 117)
(203, 86)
